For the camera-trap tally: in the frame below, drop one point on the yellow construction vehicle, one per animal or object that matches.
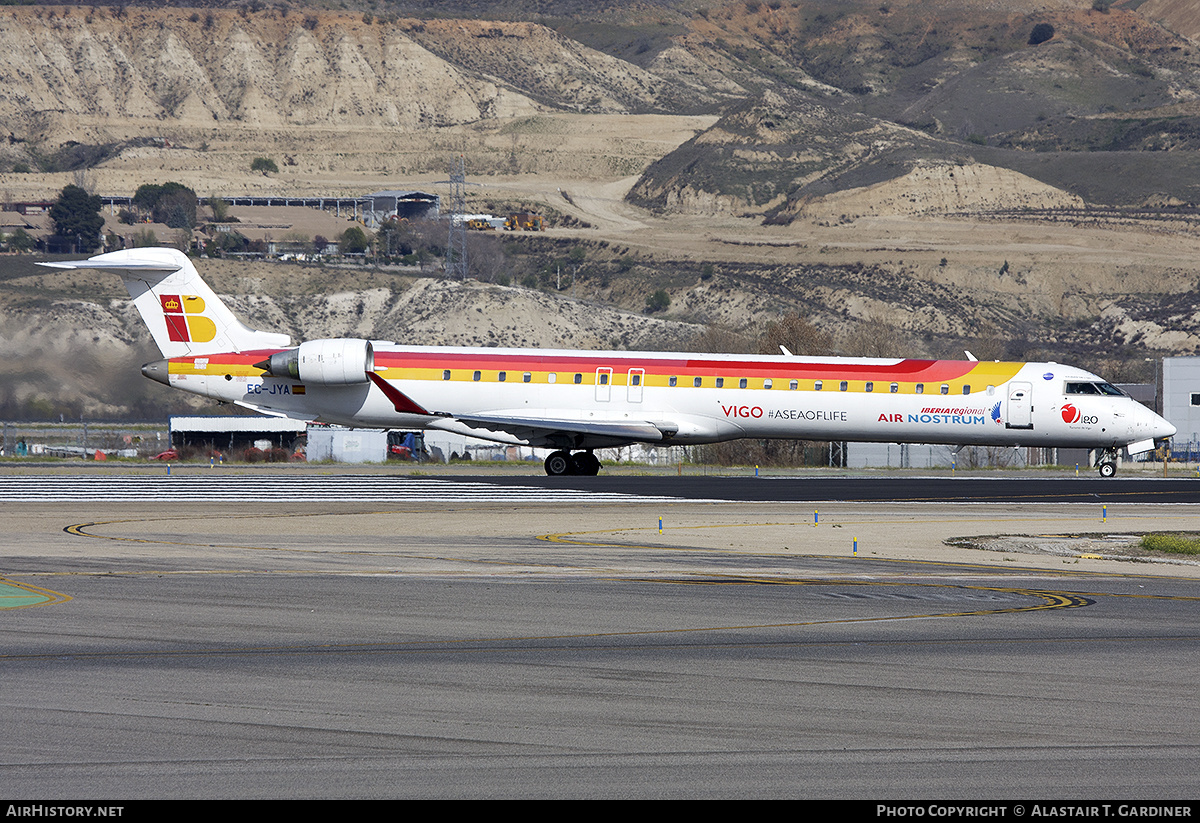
(525, 221)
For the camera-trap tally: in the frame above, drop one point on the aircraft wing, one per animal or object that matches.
(534, 428)
(292, 415)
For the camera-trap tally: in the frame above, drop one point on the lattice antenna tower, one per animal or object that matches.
(456, 244)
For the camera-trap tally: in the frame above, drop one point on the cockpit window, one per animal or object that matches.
(1094, 388)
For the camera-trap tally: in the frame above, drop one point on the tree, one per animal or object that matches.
(264, 164)
(873, 337)
(1041, 33)
(171, 203)
(20, 240)
(177, 209)
(144, 239)
(395, 237)
(659, 301)
(220, 210)
(353, 241)
(76, 215)
(797, 334)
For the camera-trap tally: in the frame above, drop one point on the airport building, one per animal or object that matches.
(1181, 404)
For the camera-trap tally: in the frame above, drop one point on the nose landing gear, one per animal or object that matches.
(1106, 463)
(579, 463)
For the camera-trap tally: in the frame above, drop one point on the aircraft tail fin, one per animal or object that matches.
(183, 314)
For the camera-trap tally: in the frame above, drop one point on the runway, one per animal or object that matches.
(218, 485)
(522, 648)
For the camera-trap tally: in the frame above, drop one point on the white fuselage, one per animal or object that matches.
(577, 398)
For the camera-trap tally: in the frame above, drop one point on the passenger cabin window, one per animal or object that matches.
(635, 380)
(966, 389)
(795, 384)
(870, 386)
(603, 378)
(526, 377)
(920, 388)
(720, 382)
(475, 376)
(578, 378)
(845, 385)
(502, 376)
(945, 388)
(817, 385)
(696, 381)
(742, 383)
(446, 374)
(1196, 398)
(895, 387)
(673, 380)
(767, 383)
(552, 377)
(991, 390)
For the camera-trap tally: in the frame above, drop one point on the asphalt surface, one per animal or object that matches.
(918, 489)
(526, 649)
(200, 483)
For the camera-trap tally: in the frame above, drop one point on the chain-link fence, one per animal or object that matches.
(83, 439)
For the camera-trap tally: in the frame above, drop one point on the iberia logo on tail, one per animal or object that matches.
(185, 320)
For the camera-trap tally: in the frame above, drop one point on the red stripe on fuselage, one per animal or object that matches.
(907, 370)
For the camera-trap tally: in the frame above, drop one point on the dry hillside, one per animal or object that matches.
(915, 177)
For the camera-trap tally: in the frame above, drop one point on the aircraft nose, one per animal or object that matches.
(1154, 425)
(1162, 428)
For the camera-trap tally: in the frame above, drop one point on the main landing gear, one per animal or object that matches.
(562, 462)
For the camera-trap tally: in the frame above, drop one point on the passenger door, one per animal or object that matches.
(1020, 406)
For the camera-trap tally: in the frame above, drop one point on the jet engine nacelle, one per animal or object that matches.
(336, 362)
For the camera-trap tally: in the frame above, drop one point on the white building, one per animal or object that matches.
(1181, 402)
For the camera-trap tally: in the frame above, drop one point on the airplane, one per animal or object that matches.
(575, 402)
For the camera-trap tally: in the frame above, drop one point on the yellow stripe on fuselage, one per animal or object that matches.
(977, 377)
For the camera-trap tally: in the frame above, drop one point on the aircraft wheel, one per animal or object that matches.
(585, 463)
(1108, 469)
(558, 463)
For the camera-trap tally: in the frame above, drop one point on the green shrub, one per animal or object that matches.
(264, 164)
(1171, 543)
(659, 301)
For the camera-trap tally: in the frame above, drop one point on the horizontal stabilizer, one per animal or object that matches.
(184, 315)
(113, 265)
